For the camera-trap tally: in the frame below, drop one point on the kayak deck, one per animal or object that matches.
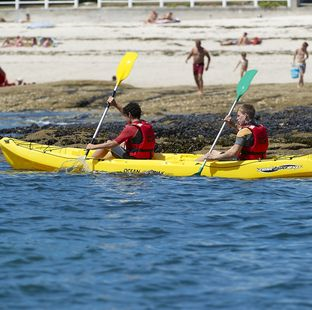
(23, 155)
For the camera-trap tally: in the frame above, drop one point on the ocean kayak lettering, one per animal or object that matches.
(132, 170)
(277, 168)
(137, 171)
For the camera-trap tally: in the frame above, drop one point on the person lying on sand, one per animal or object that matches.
(29, 42)
(26, 20)
(152, 17)
(8, 43)
(243, 40)
(167, 18)
(19, 42)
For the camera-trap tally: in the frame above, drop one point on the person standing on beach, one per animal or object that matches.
(199, 53)
(243, 62)
(300, 57)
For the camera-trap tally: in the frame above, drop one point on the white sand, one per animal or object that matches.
(91, 49)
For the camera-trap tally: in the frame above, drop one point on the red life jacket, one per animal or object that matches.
(142, 145)
(260, 143)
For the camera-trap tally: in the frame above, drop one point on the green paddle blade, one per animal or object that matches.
(244, 82)
(125, 66)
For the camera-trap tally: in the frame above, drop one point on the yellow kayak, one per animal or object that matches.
(23, 155)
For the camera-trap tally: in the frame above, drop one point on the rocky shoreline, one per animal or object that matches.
(290, 132)
(179, 116)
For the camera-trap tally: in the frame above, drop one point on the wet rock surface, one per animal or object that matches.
(183, 121)
(290, 132)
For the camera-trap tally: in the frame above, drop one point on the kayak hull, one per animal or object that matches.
(23, 155)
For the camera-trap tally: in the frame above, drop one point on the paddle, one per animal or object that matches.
(241, 88)
(123, 70)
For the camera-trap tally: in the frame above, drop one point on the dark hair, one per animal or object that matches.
(133, 108)
(249, 110)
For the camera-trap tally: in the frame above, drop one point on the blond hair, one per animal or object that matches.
(249, 110)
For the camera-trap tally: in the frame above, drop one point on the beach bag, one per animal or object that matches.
(255, 41)
(294, 72)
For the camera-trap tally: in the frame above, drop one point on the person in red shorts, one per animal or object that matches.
(138, 136)
(3, 79)
(199, 53)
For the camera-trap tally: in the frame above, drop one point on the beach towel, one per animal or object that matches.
(255, 41)
(167, 21)
(40, 25)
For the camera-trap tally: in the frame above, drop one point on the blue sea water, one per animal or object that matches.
(41, 118)
(108, 241)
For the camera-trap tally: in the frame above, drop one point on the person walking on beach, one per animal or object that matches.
(300, 56)
(243, 63)
(199, 53)
(251, 139)
(138, 136)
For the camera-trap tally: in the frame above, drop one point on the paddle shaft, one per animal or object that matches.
(223, 125)
(102, 119)
(218, 136)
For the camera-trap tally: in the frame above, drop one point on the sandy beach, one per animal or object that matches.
(76, 74)
(89, 45)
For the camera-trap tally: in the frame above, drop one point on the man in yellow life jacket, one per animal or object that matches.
(251, 139)
(137, 136)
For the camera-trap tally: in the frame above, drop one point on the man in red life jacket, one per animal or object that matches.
(138, 136)
(251, 139)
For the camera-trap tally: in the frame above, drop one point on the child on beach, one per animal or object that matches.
(243, 62)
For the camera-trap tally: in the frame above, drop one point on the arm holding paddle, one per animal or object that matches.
(251, 140)
(103, 148)
(230, 123)
(241, 88)
(106, 145)
(233, 152)
(112, 102)
(123, 70)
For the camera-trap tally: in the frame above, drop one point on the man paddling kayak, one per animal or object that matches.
(251, 139)
(138, 136)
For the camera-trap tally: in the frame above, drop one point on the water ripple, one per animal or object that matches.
(152, 242)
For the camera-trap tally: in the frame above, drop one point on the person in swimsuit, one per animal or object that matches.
(300, 57)
(243, 62)
(152, 17)
(243, 40)
(3, 79)
(199, 53)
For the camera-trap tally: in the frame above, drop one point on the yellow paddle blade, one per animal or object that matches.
(125, 66)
